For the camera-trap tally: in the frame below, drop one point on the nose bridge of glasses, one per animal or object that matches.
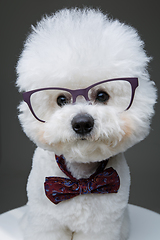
(80, 92)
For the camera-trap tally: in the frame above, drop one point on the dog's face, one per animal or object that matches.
(83, 103)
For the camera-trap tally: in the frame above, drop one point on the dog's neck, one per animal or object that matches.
(84, 170)
(81, 170)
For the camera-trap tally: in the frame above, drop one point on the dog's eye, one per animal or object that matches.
(62, 100)
(102, 97)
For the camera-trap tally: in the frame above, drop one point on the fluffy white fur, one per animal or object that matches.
(74, 49)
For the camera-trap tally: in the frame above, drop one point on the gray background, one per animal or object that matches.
(16, 149)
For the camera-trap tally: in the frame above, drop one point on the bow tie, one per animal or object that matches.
(58, 189)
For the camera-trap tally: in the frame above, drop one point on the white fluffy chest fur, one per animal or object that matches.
(95, 209)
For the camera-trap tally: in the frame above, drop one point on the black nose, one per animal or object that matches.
(82, 123)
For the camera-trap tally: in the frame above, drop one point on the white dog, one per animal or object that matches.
(89, 99)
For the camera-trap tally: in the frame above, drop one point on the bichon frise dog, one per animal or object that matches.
(87, 99)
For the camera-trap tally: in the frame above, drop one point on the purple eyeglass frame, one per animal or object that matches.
(80, 92)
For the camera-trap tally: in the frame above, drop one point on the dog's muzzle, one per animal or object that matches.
(82, 124)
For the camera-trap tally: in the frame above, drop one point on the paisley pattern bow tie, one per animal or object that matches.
(58, 189)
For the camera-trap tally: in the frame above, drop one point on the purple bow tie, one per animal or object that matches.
(58, 189)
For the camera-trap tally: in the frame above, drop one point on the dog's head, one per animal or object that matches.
(88, 92)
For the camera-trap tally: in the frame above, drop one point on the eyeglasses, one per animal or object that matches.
(118, 93)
